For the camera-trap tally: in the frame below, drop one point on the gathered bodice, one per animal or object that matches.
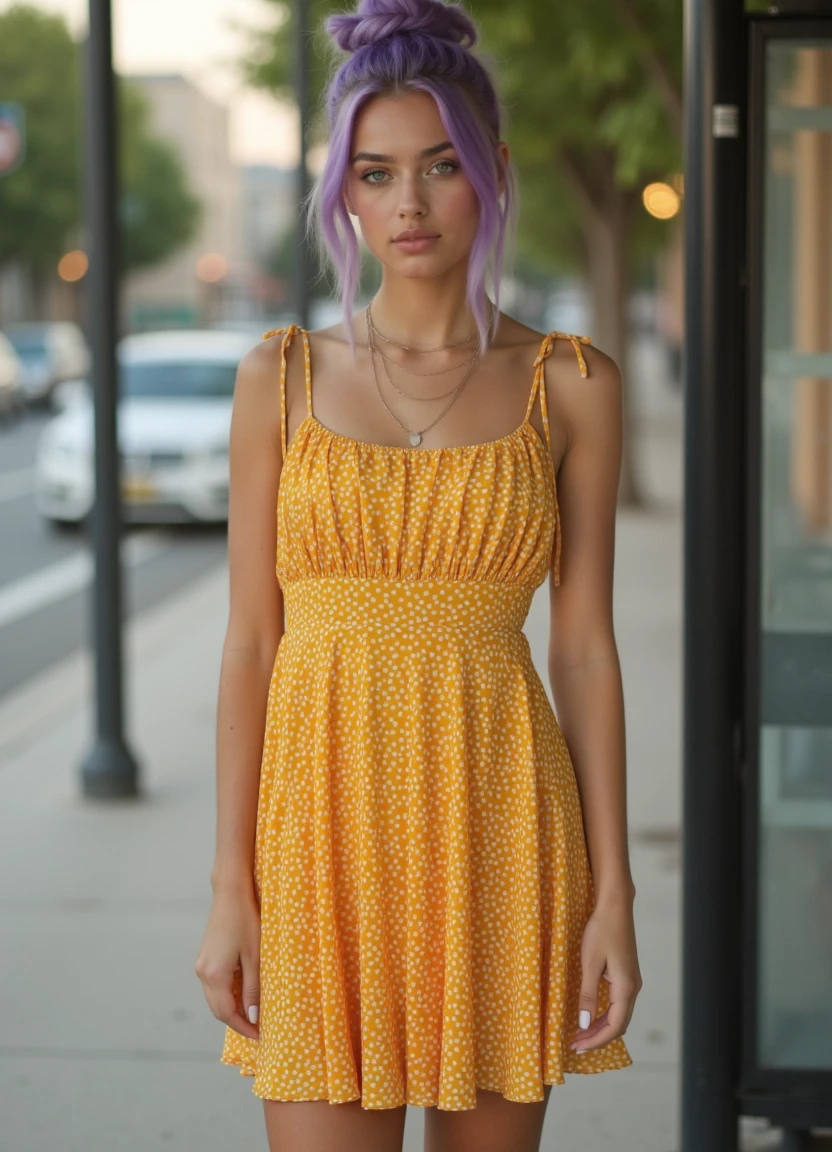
(485, 512)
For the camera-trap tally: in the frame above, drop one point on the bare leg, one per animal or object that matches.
(318, 1126)
(495, 1125)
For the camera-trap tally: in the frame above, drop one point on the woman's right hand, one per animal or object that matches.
(228, 963)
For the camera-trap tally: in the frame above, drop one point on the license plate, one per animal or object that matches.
(138, 489)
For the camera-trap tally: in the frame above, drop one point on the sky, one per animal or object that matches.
(198, 39)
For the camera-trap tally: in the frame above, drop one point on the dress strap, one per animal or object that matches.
(539, 383)
(288, 333)
(546, 349)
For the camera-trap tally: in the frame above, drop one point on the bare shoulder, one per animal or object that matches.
(266, 367)
(258, 373)
(512, 334)
(590, 406)
(601, 370)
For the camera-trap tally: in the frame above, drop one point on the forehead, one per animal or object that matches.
(402, 123)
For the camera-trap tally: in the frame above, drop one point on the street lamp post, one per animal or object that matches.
(109, 770)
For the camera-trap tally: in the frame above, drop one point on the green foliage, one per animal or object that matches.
(280, 262)
(573, 76)
(158, 213)
(41, 202)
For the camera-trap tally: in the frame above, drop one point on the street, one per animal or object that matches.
(46, 573)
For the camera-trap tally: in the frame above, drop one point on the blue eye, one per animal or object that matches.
(451, 164)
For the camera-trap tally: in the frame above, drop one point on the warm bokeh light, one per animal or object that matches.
(73, 265)
(211, 267)
(661, 200)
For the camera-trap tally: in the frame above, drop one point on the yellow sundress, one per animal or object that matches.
(420, 859)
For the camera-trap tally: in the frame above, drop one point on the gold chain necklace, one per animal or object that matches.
(411, 371)
(415, 436)
(401, 391)
(387, 360)
(407, 348)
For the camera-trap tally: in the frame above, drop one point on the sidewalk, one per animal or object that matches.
(107, 1043)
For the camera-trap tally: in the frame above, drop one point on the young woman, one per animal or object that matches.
(422, 892)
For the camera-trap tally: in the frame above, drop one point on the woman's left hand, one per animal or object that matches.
(608, 951)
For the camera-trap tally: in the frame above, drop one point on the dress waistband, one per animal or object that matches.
(333, 604)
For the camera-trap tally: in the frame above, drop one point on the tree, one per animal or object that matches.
(41, 202)
(280, 262)
(158, 213)
(593, 89)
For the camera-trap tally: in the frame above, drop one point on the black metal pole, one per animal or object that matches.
(302, 255)
(715, 105)
(109, 769)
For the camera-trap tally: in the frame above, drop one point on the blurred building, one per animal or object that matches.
(186, 288)
(269, 210)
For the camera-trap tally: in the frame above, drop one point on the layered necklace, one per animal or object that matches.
(373, 336)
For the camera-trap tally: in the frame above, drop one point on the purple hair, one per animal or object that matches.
(405, 45)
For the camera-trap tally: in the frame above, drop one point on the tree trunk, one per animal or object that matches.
(606, 213)
(608, 247)
(38, 287)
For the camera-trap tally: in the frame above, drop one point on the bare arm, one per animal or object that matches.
(255, 623)
(584, 668)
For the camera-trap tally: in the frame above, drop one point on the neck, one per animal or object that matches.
(422, 315)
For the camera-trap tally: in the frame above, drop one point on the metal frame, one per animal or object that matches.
(792, 1098)
(715, 156)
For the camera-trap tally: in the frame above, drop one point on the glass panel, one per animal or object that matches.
(795, 910)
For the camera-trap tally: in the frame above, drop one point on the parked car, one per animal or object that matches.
(50, 351)
(174, 419)
(11, 374)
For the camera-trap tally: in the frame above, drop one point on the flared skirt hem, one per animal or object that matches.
(611, 1062)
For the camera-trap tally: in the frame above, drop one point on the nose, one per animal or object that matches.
(412, 201)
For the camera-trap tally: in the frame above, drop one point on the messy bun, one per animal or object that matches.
(396, 46)
(375, 20)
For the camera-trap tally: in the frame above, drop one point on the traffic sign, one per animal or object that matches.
(12, 137)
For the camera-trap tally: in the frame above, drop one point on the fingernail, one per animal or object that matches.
(253, 1013)
(580, 1050)
(584, 1018)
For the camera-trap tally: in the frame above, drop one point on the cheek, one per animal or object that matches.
(457, 195)
(370, 206)
(460, 203)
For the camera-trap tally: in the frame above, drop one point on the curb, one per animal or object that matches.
(49, 696)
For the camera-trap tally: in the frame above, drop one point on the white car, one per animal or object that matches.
(174, 419)
(50, 351)
(11, 374)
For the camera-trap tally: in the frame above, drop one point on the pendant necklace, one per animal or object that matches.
(415, 435)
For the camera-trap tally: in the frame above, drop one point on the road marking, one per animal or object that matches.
(13, 485)
(57, 581)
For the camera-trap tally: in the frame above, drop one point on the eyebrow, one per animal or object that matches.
(379, 158)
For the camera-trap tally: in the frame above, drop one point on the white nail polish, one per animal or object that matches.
(253, 1013)
(584, 1019)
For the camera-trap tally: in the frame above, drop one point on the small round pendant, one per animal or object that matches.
(415, 438)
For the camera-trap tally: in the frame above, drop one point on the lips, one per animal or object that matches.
(416, 234)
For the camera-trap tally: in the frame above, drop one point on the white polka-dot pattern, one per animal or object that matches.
(420, 858)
